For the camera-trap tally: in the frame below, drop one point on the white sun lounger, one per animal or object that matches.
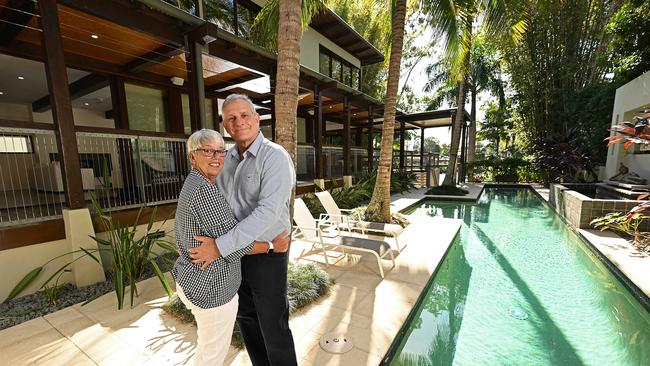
(342, 219)
(308, 229)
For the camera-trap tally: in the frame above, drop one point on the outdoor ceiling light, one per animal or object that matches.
(86, 104)
(21, 78)
(94, 36)
(2, 93)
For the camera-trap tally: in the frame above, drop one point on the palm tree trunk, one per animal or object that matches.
(471, 131)
(288, 72)
(379, 206)
(450, 176)
(286, 87)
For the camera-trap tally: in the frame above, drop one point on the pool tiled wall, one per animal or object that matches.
(579, 210)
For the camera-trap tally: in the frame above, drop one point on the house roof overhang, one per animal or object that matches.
(338, 31)
(437, 118)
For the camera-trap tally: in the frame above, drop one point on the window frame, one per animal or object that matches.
(333, 56)
(29, 144)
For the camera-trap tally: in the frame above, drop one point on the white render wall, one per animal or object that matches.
(630, 99)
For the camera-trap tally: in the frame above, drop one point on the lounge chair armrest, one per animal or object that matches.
(351, 213)
(305, 228)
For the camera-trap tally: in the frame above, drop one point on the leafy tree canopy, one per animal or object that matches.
(630, 46)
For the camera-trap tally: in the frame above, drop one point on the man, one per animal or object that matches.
(257, 180)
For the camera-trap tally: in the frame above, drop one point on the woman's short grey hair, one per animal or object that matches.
(202, 137)
(235, 97)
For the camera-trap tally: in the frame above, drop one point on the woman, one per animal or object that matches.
(209, 290)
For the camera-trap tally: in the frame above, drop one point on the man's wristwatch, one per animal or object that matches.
(270, 247)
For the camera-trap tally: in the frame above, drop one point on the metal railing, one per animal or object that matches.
(131, 171)
(31, 188)
(120, 171)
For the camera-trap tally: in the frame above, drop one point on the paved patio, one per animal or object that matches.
(369, 309)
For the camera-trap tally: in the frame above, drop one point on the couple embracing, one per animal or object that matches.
(232, 228)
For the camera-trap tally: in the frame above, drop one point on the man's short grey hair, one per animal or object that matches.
(202, 137)
(235, 97)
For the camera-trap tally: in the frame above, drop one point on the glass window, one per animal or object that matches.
(301, 131)
(187, 120)
(346, 75)
(324, 64)
(266, 131)
(209, 113)
(355, 78)
(336, 69)
(244, 21)
(146, 108)
(221, 13)
(15, 144)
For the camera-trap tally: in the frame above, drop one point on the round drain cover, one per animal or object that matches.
(336, 343)
(517, 313)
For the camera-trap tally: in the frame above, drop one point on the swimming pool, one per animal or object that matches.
(517, 287)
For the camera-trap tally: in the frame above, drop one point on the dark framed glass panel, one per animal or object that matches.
(221, 13)
(189, 6)
(146, 108)
(324, 64)
(356, 76)
(245, 18)
(336, 70)
(346, 75)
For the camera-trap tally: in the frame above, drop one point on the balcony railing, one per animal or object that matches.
(126, 171)
(121, 170)
(31, 188)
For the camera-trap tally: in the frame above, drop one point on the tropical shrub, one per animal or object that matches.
(628, 225)
(447, 191)
(563, 159)
(493, 169)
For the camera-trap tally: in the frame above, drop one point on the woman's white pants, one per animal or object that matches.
(214, 330)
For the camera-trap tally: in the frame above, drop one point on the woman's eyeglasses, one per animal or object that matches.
(209, 153)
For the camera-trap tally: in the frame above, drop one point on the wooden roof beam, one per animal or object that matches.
(79, 88)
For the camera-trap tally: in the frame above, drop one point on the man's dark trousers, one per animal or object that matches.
(263, 314)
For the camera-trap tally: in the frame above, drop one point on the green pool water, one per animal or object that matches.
(519, 288)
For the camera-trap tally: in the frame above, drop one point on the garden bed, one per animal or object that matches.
(35, 305)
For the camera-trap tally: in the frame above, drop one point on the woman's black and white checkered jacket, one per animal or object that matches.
(202, 210)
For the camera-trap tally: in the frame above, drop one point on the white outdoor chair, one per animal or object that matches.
(309, 230)
(342, 219)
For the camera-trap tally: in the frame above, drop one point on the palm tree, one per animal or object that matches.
(454, 20)
(279, 25)
(379, 206)
(484, 75)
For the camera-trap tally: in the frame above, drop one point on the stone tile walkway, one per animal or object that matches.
(369, 309)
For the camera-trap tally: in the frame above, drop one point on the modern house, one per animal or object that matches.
(98, 97)
(630, 101)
